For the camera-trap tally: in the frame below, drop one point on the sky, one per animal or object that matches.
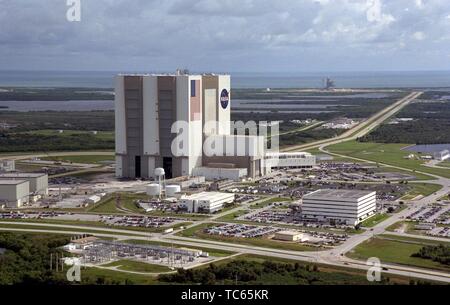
(226, 35)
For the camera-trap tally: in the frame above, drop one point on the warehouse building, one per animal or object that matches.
(38, 181)
(289, 160)
(206, 202)
(348, 207)
(14, 193)
(442, 155)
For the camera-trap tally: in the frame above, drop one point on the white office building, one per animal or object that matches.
(206, 202)
(348, 207)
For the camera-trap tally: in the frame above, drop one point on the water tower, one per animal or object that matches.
(160, 178)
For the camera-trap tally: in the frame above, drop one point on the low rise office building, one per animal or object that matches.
(348, 207)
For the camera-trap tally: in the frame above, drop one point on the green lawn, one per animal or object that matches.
(130, 265)
(269, 201)
(106, 135)
(444, 164)
(391, 249)
(374, 220)
(233, 216)
(104, 276)
(424, 189)
(390, 154)
(197, 232)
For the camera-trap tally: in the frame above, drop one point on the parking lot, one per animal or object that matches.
(433, 219)
(253, 231)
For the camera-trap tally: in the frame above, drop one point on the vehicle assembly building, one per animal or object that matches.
(339, 206)
(148, 107)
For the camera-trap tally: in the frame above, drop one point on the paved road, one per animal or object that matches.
(363, 128)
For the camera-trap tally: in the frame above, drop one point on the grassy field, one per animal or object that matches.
(94, 230)
(444, 164)
(233, 216)
(197, 232)
(115, 277)
(94, 159)
(424, 189)
(269, 201)
(130, 265)
(106, 135)
(397, 250)
(374, 220)
(390, 154)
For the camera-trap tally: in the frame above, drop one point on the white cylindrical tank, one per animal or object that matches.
(172, 189)
(159, 172)
(153, 190)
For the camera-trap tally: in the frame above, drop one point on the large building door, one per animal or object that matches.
(137, 166)
(167, 165)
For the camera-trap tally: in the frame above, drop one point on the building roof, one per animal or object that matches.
(290, 233)
(208, 196)
(329, 194)
(22, 175)
(84, 240)
(12, 182)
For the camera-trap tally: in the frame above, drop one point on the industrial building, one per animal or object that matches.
(442, 155)
(348, 207)
(206, 202)
(38, 181)
(289, 160)
(147, 106)
(7, 166)
(14, 193)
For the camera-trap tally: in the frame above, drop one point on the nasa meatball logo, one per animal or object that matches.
(224, 98)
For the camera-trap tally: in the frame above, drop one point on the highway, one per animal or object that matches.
(362, 128)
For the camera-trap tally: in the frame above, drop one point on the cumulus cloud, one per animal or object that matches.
(223, 34)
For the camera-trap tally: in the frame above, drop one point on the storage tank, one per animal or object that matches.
(172, 189)
(153, 190)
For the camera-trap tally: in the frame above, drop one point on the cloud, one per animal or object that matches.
(222, 34)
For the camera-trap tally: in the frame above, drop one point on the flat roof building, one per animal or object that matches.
(14, 193)
(290, 160)
(206, 202)
(348, 207)
(38, 181)
(289, 236)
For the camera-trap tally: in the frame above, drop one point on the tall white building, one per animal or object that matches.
(339, 206)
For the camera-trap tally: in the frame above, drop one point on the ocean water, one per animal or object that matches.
(431, 79)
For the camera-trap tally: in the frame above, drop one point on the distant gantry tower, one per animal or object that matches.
(328, 83)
